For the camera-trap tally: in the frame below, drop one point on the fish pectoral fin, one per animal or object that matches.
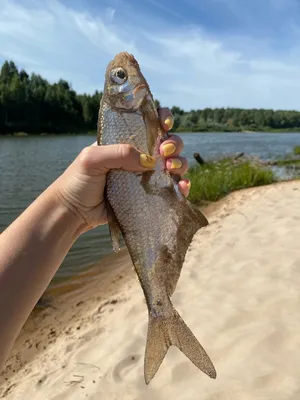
(115, 235)
(164, 331)
(114, 228)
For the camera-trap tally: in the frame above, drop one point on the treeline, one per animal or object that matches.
(31, 104)
(235, 120)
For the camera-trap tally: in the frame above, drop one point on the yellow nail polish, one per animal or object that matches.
(168, 149)
(176, 163)
(188, 184)
(147, 161)
(169, 122)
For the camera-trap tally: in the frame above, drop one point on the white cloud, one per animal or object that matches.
(184, 65)
(217, 76)
(110, 12)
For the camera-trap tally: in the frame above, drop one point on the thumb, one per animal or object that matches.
(115, 156)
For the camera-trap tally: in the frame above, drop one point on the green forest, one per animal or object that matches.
(31, 104)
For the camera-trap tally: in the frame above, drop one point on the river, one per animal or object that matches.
(29, 164)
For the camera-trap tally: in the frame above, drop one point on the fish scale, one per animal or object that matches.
(129, 129)
(135, 216)
(155, 220)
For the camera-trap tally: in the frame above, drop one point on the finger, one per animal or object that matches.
(184, 186)
(177, 166)
(166, 118)
(118, 156)
(173, 146)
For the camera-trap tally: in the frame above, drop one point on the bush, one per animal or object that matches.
(297, 150)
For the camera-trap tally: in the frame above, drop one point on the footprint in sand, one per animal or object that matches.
(69, 348)
(124, 367)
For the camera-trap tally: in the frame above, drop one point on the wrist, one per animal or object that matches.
(64, 214)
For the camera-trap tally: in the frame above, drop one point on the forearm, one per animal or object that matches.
(31, 250)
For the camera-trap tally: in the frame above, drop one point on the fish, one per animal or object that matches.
(148, 212)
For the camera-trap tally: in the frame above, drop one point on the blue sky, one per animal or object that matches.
(194, 53)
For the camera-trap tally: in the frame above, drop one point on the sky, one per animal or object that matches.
(194, 53)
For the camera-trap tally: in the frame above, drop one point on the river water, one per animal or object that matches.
(29, 164)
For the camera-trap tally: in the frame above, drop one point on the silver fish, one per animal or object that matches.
(155, 220)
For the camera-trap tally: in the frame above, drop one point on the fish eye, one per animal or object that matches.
(118, 75)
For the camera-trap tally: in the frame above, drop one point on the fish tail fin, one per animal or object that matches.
(165, 331)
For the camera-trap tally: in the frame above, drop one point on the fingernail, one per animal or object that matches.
(174, 163)
(147, 161)
(168, 149)
(188, 183)
(169, 122)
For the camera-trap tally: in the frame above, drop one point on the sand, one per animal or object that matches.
(239, 292)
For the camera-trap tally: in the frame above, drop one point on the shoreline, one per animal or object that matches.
(91, 305)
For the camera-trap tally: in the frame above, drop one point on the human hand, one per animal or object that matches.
(81, 187)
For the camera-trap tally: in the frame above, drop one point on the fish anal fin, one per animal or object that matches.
(165, 331)
(192, 220)
(170, 261)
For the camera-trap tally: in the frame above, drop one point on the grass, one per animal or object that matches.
(213, 180)
(297, 150)
(287, 162)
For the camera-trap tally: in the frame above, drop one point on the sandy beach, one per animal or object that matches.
(239, 292)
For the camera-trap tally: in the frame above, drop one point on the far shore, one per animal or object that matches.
(177, 131)
(238, 291)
